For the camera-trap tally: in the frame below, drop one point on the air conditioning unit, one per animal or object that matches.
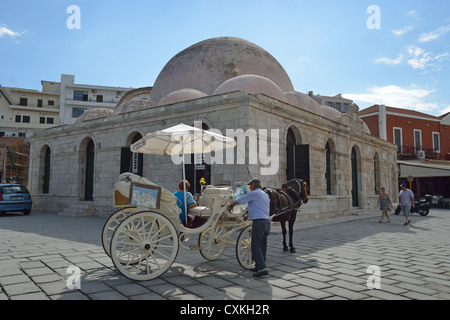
(421, 155)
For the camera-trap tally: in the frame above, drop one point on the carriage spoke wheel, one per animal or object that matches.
(112, 223)
(211, 246)
(244, 248)
(144, 246)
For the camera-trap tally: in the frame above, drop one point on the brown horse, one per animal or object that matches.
(284, 205)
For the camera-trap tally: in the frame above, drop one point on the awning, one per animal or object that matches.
(419, 169)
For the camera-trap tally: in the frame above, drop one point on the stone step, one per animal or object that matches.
(78, 210)
(358, 212)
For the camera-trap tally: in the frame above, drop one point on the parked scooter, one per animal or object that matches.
(421, 207)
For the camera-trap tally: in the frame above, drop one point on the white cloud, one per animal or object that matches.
(389, 61)
(412, 13)
(402, 31)
(433, 35)
(398, 97)
(420, 59)
(4, 31)
(445, 110)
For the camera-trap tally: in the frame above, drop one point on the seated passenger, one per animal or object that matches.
(190, 202)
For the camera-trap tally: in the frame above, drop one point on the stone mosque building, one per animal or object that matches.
(233, 86)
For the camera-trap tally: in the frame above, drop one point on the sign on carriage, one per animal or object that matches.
(143, 195)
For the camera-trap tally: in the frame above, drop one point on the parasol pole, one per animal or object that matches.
(184, 182)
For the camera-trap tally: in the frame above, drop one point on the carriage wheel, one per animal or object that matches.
(112, 223)
(209, 242)
(244, 248)
(144, 246)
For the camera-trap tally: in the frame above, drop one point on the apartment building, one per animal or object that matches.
(423, 146)
(337, 102)
(416, 134)
(79, 98)
(22, 111)
(25, 111)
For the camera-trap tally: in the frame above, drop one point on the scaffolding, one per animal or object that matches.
(14, 160)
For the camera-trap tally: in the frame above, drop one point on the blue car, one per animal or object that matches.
(14, 198)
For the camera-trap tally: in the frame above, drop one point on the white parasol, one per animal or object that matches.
(180, 140)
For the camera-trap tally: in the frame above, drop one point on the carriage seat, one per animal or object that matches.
(214, 195)
(200, 211)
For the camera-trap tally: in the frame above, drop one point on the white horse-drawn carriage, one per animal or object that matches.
(143, 238)
(144, 235)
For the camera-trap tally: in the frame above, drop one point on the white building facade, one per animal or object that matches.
(79, 98)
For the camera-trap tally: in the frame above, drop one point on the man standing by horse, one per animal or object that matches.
(259, 212)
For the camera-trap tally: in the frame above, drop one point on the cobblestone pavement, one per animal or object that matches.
(331, 262)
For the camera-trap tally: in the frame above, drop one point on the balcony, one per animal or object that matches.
(92, 102)
(410, 152)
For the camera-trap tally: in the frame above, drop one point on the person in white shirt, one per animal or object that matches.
(406, 198)
(259, 212)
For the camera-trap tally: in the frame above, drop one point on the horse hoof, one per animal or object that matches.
(285, 249)
(293, 250)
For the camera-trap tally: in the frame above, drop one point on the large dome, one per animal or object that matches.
(207, 64)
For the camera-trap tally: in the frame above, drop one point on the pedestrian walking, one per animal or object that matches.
(406, 198)
(385, 205)
(259, 212)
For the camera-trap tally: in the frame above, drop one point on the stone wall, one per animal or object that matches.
(236, 110)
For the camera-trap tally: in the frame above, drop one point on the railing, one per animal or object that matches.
(411, 152)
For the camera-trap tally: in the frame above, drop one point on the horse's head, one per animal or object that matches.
(300, 187)
(303, 191)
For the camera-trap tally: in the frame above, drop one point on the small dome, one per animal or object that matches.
(133, 105)
(331, 113)
(136, 94)
(252, 84)
(304, 102)
(181, 95)
(94, 114)
(366, 128)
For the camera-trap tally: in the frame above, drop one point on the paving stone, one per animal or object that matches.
(131, 289)
(330, 264)
(107, 295)
(14, 279)
(21, 288)
(31, 296)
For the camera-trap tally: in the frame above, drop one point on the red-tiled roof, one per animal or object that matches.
(374, 108)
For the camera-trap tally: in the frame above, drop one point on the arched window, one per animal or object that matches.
(330, 168)
(89, 177)
(376, 173)
(297, 158)
(46, 182)
(356, 175)
(130, 161)
(197, 169)
(290, 154)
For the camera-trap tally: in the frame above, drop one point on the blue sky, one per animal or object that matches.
(325, 46)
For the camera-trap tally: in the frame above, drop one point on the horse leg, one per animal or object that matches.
(284, 231)
(292, 219)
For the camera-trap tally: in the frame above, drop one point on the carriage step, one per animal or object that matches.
(194, 247)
